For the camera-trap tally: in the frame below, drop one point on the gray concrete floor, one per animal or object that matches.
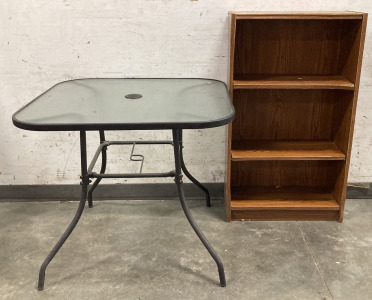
(147, 250)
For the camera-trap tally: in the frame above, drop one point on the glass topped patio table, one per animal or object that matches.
(129, 104)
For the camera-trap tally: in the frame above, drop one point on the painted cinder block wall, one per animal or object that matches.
(43, 42)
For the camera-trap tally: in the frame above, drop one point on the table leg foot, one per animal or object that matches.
(75, 220)
(63, 238)
(192, 178)
(201, 236)
(179, 183)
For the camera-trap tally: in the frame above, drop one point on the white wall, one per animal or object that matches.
(43, 42)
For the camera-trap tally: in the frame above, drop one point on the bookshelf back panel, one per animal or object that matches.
(290, 114)
(296, 47)
(281, 174)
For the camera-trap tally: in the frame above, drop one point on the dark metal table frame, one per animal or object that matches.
(87, 173)
(219, 118)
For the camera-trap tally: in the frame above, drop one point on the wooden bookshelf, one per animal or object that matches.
(294, 80)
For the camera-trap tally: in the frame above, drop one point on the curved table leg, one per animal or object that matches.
(102, 171)
(192, 178)
(70, 228)
(177, 135)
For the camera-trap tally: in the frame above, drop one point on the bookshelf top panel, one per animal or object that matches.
(297, 15)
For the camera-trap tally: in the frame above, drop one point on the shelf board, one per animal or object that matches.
(292, 198)
(292, 82)
(285, 150)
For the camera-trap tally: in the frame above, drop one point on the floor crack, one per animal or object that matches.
(314, 260)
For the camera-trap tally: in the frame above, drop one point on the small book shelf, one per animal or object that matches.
(294, 81)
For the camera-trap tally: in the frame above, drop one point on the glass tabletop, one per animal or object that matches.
(114, 104)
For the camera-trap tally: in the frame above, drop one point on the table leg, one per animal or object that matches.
(102, 171)
(84, 183)
(192, 178)
(177, 138)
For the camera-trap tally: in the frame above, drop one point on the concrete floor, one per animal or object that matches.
(147, 250)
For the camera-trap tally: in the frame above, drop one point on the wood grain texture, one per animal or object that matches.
(283, 114)
(283, 173)
(261, 193)
(311, 204)
(284, 215)
(285, 150)
(358, 48)
(292, 82)
(229, 127)
(289, 198)
(304, 15)
(292, 47)
(350, 47)
(341, 119)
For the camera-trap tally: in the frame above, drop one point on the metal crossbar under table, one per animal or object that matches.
(87, 174)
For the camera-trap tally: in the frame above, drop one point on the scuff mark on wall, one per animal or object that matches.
(61, 174)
